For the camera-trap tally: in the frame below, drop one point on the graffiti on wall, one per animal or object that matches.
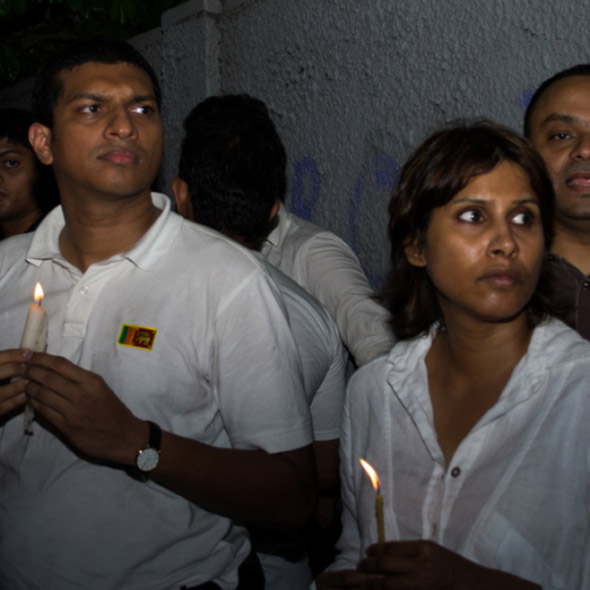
(305, 188)
(372, 187)
(374, 182)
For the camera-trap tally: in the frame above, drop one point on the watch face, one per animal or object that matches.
(147, 459)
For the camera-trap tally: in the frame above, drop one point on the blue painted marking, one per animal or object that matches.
(525, 98)
(385, 171)
(357, 194)
(300, 204)
(379, 174)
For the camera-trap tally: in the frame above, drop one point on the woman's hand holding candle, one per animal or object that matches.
(427, 565)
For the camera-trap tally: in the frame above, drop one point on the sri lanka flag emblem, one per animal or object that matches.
(137, 336)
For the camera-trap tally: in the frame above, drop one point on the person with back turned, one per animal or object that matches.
(231, 171)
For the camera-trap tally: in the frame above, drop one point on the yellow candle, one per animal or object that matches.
(378, 499)
(379, 514)
(35, 339)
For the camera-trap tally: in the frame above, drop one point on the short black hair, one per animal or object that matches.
(436, 171)
(577, 70)
(234, 163)
(105, 50)
(14, 127)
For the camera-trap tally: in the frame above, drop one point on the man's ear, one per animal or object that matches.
(182, 198)
(274, 210)
(40, 140)
(415, 253)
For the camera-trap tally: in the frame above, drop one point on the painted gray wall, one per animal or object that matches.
(354, 85)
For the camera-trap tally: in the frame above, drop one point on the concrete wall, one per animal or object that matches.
(354, 85)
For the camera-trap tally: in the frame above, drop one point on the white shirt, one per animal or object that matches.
(325, 266)
(223, 370)
(323, 357)
(324, 362)
(516, 496)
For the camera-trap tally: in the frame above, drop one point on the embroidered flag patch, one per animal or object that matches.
(137, 336)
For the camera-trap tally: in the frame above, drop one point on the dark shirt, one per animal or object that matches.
(31, 228)
(574, 286)
(35, 224)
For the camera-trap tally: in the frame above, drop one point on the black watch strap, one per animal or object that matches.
(141, 472)
(155, 436)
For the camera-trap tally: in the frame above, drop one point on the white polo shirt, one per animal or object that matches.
(516, 496)
(325, 266)
(324, 361)
(190, 332)
(323, 356)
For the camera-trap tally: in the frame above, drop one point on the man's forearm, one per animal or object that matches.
(247, 486)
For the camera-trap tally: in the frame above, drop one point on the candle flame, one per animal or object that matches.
(39, 293)
(372, 474)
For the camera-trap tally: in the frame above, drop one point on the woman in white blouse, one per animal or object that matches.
(477, 422)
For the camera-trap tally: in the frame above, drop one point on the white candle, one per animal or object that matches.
(35, 339)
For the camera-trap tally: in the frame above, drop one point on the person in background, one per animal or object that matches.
(477, 421)
(557, 121)
(27, 188)
(232, 167)
(169, 406)
(318, 260)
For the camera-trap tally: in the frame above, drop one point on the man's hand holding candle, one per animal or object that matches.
(34, 338)
(83, 408)
(12, 391)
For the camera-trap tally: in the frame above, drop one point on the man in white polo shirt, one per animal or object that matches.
(169, 358)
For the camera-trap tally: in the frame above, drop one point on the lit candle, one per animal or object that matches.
(35, 339)
(378, 499)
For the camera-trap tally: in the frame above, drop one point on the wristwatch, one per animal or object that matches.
(148, 458)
